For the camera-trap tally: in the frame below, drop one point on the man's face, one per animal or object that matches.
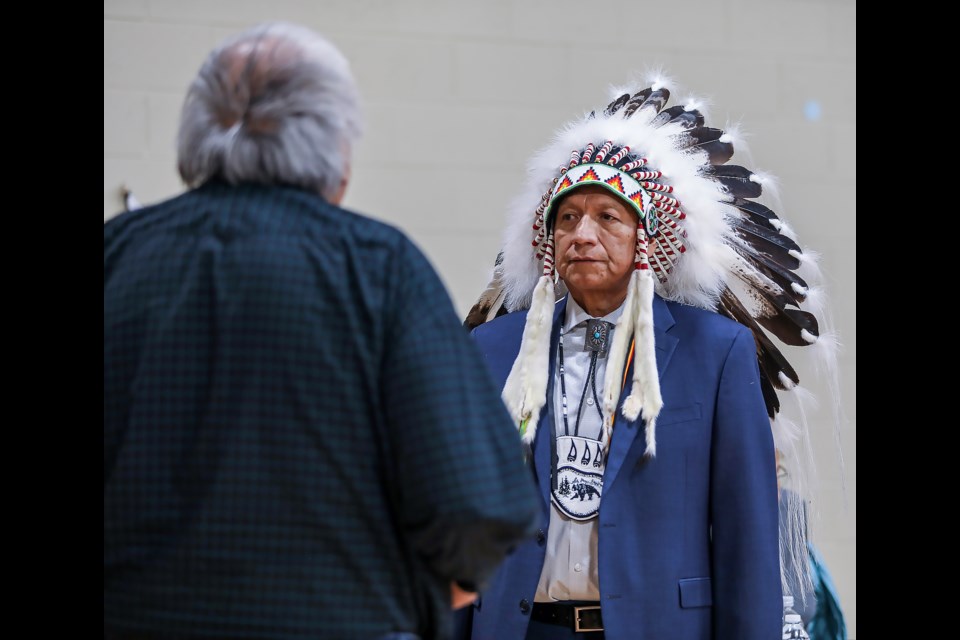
(596, 237)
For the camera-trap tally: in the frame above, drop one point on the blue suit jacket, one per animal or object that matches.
(688, 540)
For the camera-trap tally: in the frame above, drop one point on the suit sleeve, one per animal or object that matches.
(746, 565)
(465, 496)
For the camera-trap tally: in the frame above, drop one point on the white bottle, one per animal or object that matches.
(793, 628)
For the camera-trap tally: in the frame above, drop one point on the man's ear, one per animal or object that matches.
(340, 191)
(337, 196)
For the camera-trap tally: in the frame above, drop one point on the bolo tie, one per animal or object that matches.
(595, 342)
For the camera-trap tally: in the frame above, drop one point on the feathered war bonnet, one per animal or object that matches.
(702, 240)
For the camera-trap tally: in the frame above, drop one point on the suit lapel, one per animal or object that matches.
(545, 428)
(625, 431)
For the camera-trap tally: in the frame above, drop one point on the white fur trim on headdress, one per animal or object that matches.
(645, 393)
(613, 378)
(696, 279)
(525, 390)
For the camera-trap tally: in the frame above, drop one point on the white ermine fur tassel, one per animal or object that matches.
(645, 392)
(616, 358)
(525, 390)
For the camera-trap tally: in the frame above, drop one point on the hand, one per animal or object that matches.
(460, 598)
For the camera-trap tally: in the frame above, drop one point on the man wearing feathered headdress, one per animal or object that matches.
(626, 326)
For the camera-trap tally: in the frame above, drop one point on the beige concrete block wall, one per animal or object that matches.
(459, 93)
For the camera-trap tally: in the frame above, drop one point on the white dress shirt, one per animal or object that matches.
(570, 568)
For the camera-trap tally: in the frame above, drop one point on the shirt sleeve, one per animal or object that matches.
(465, 496)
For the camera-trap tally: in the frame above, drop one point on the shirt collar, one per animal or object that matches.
(577, 316)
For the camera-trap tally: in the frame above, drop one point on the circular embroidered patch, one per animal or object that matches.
(579, 477)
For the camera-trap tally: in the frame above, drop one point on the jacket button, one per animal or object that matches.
(524, 606)
(541, 537)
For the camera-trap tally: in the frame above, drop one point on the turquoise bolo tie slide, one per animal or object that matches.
(597, 333)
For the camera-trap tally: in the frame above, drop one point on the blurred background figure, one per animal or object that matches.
(811, 606)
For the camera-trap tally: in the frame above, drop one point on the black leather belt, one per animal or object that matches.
(579, 617)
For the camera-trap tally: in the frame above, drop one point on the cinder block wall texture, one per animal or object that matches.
(459, 94)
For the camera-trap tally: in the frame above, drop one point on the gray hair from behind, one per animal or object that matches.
(275, 104)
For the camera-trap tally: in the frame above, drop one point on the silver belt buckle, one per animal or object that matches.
(576, 619)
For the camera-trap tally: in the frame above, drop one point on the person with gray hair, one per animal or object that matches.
(300, 440)
(274, 105)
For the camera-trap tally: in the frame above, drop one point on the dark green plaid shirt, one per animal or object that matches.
(300, 440)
